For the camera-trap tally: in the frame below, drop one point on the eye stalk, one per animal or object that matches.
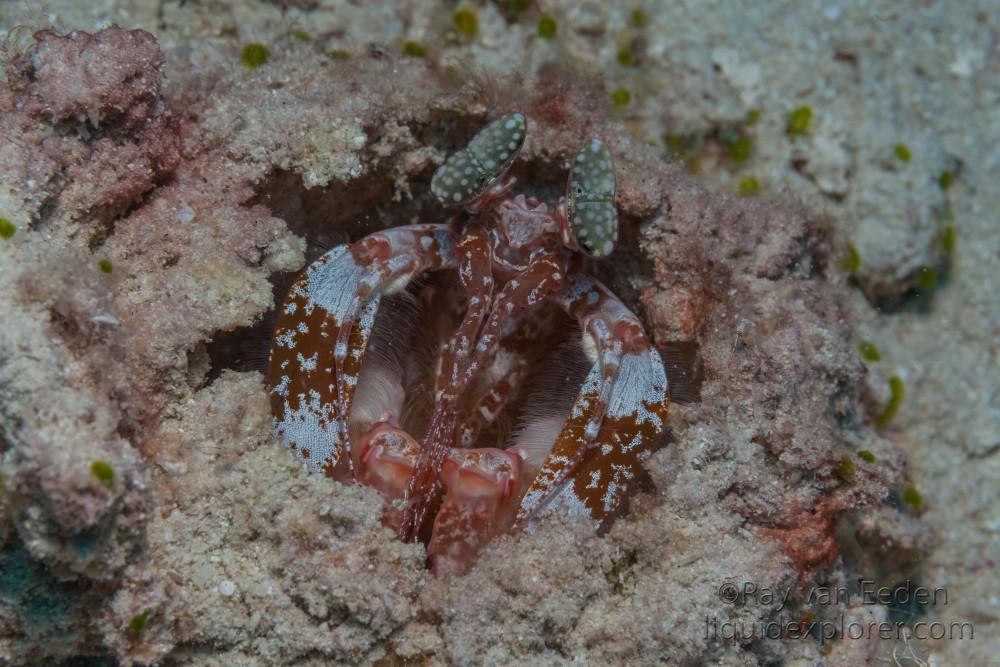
(589, 213)
(474, 171)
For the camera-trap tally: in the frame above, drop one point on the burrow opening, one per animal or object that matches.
(345, 212)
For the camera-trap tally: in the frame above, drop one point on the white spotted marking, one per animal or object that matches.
(307, 364)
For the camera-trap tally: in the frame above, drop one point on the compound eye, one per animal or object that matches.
(593, 218)
(471, 171)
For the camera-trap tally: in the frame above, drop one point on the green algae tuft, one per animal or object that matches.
(850, 261)
(896, 393)
(866, 456)
(846, 469)
(948, 238)
(912, 497)
(799, 120)
(414, 49)
(869, 352)
(467, 22)
(621, 97)
(104, 473)
(741, 148)
(749, 186)
(255, 55)
(927, 278)
(547, 27)
(138, 623)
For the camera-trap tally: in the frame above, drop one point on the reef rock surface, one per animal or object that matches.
(146, 512)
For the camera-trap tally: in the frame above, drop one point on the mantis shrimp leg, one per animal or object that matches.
(529, 288)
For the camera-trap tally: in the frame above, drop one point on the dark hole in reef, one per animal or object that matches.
(46, 606)
(449, 131)
(246, 348)
(887, 570)
(325, 217)
(344, 212)
(906, 601)
(918, 298)
(341, 213)
(89, 661)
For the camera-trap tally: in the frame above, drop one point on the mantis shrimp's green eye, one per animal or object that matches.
(469, 172)
(590, 200)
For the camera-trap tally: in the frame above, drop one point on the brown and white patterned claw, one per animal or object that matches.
(616, 421)
(323, 329)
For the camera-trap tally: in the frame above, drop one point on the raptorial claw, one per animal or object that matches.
(309, 414)
(617, 419)
(323, 330)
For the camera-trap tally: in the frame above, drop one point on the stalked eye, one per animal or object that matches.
(470, 172)
(590, 206)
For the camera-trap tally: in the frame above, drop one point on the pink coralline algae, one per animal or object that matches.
(112, 76)
(88, 111)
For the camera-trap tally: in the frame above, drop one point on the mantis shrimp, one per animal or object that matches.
(338, 368)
